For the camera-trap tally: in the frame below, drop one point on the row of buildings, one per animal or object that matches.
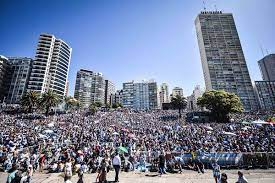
(223, 62)
(47, 71)
(91, 87)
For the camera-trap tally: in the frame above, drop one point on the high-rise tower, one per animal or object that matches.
(222, 58)
(267, 67)
(50, 66)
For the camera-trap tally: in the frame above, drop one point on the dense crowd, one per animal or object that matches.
(75, 142)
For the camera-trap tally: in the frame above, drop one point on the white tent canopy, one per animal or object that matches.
(51, 124)
(48, 131)
(229, 133)
(208, 127)
(259, 122)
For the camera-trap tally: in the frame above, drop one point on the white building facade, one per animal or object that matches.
(163, 94)
(193, 98)
(50, 66)
(177, 91)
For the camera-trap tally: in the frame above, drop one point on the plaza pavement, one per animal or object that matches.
(253, 176)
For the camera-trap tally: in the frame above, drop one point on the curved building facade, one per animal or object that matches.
(51, 65)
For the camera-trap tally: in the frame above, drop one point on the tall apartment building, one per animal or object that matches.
(98, 88)
(17, 77)
(153, 95)
(141, 96)
(267, 67)
(164, 94)
(89, 87)
(128, 94)
(50, 66)
(266, 94)
(177, 91)
(3, 68)
(109, 89)
(222, 58)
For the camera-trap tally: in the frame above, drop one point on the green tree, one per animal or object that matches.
(115, 105)
(70, 103)
(221, 103)
(93, 109)
(97, 104)
(120, 105)
(49, 99)
(108, 106)
(179, 102)
(30, 100)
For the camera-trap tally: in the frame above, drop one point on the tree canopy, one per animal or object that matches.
(71, 103)
(221, 103)
(179, 102)
(48, 100)
(30, 100)
(93, 109)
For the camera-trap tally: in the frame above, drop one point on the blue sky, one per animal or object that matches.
(133, 39)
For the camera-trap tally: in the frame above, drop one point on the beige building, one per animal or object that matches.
(177, 91)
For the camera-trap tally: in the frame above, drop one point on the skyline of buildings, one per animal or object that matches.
(223, 62)
(222, 58)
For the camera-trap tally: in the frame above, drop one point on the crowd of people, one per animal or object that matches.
(121, 139)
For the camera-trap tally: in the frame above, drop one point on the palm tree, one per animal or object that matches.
(70, 102)
(179, 102)
(49, 99)
(30, 100)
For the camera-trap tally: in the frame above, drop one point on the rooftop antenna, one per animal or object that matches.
(215, 8)
(262, 49)
(266, 51)
(204, 6)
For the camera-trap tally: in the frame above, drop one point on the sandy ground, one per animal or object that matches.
(253, 176)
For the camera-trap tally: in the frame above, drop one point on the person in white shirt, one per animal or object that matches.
(241, 178)
(116, 165)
